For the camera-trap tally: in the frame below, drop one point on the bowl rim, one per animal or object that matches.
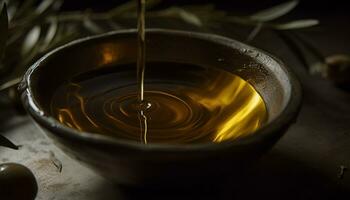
(272, 129)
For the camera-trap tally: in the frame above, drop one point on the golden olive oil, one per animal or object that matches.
(185, 104)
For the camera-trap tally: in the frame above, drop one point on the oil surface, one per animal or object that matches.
(186, 104)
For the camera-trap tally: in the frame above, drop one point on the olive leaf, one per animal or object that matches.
(274, 12)
(31, 40)
(10, 84)
(65, 33)
(206, 12)
(24, 9)
(35, 15)
(50, 34)
(44, 6)
(177, 12)
(3, 30)
(91, 26)
(31, 32)
(126, 7)
(31, 49)
(254, 32)
(12, 7)
(4, 142)
(298, 24)
(189, 17)
(113, 25)
(131, 6)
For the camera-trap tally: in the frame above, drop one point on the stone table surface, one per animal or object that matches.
(304, 164)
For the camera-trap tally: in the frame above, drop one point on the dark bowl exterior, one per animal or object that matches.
(136, 164)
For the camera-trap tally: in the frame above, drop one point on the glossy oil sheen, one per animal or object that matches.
(189, 104)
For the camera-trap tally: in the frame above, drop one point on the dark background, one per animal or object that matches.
(306, 7)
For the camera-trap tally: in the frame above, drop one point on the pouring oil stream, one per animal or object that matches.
(141, 65)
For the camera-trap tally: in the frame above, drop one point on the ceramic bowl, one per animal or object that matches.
(133, 163)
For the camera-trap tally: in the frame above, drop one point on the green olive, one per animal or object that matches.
(17, 182)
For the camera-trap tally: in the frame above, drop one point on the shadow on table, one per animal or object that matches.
(274, 177)
(9, 116)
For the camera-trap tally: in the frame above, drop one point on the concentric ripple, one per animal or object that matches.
(186, 104)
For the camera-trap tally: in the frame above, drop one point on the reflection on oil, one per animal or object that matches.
(242, 109)
(189, 104)
(65, 116)
(109, 54)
